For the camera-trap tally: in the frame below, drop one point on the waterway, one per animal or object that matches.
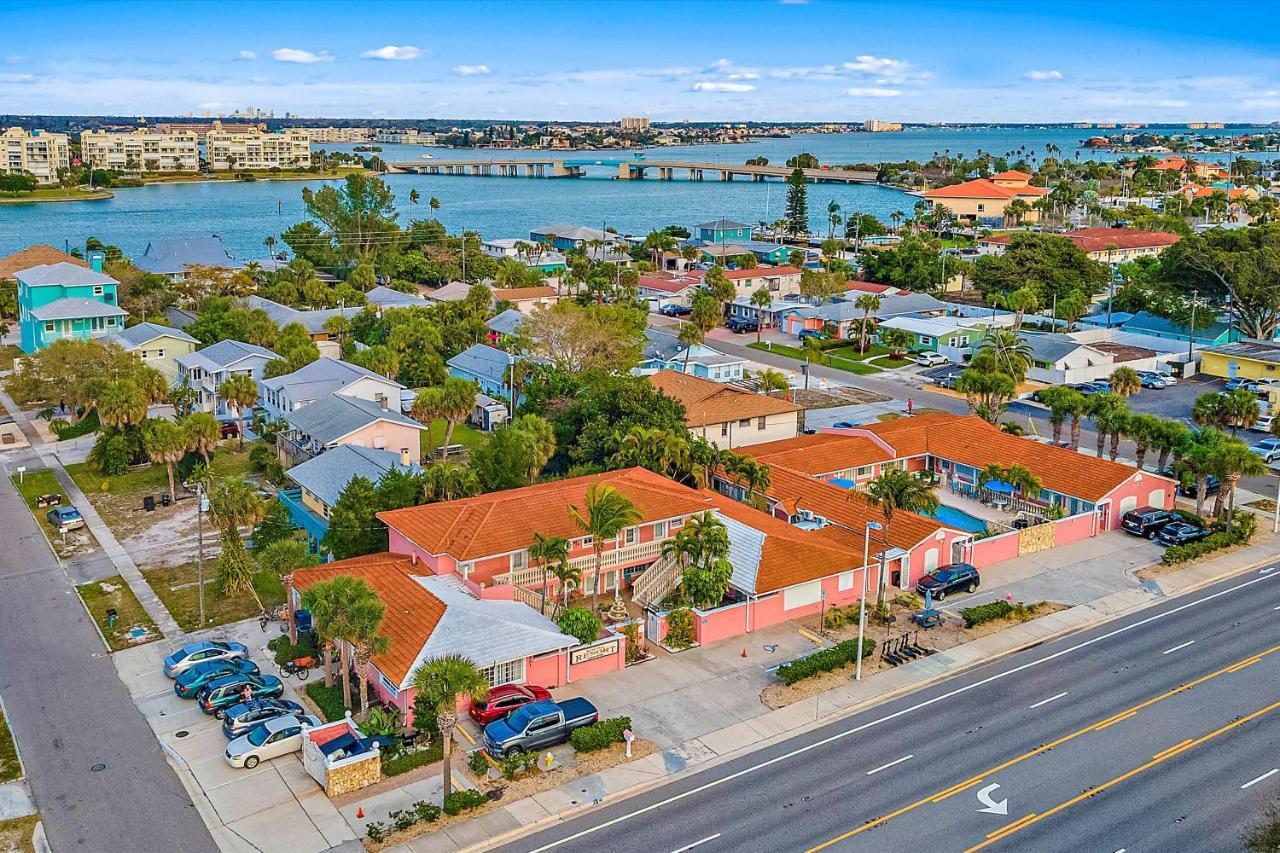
(244, 214)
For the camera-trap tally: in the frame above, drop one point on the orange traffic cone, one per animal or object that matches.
(744, 652)
(360, 812)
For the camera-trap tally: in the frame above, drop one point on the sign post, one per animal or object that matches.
(629, 736)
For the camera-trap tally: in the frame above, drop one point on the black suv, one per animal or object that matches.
(1147, 521)
(742, 324)
(957, 576)
(1180, 533)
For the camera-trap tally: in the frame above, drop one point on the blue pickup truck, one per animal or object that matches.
(538, 725)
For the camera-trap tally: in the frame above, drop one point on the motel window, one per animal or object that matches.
(387, 685)
(724, 427)
(660, 530)
(677, 523)
(926, 341)
(981, 208)
(586, 541)
(511, 672)
(745, 422)
(862, 471)
(519, 560)
(97, 290)
(48, 327)
(465, 569)
(159, 353)
(760, 422)
(846, 581)
(631, 536)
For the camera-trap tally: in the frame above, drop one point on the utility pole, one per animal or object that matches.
(1191, 336)
(862, 600)
(200, 546)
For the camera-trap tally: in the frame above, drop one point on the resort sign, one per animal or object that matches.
(602, 650)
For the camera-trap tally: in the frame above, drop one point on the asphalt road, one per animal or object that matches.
(70, 712)
(1138, 735)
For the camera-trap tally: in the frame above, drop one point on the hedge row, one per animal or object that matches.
(599, 735)
(402, 819)
(464, 800)
(824, 661)
(996, 610)
(1241, 530)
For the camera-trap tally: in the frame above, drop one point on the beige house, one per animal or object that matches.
(37, 153)
(141, 150)
(257, 151)
(340, 420)
(1106, 245)
(728, 416)
(157, 346)
(526, 300)
(985, 199)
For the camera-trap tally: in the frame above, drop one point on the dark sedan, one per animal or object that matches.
(191, 682)
(674, 310)
(219, 695)
(1180, 533)
(501, 701)
(958, 576)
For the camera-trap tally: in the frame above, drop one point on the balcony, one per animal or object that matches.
(303, 517)
(292, 451)
(624, 556)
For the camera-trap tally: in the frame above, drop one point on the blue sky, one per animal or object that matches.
(822, 60)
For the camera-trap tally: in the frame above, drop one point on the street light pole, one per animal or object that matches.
(200, 547)
(1191, 336)
(862, 600)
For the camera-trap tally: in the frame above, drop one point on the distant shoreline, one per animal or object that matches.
(96, 195)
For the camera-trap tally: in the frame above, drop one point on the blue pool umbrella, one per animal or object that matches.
(842, 483)
(998, 486)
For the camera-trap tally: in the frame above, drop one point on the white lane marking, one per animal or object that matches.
(696, 843)
(1050, 699)
(1266, 775)
(1175, 648)
(890, 764)
(746, 771)
(1275, 608)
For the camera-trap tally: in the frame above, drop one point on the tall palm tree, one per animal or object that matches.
(690, 335)
(1008, 350)
(1236, 460)
(1143, 428)
(1241, 409)
(1169, 439)
(760, 300)
(1199, 460)
(1125, 381)
(445, 481)
(165, 444)
(364, 612)
(153, 383)
(240, 392)
(457, 399)
(323, 600)
(1108, 411)
(568, 578)
(545, 551)
(895, 490)
(121, 404)
(542, 438)
(605, 512)
(440, 683)
(1063, 402)
(201, 431)
(426, 408)
(867, 303)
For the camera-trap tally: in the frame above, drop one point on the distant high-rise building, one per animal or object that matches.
(635, 123)
(37, 153)
(875, 125)
(255, 151)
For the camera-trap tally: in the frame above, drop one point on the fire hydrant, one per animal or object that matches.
(548, 759)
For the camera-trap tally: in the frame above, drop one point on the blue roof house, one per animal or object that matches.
(487, 366)
(1214, 334)
(171, 257)
(64, 301)
(722, 231)
(663, 351)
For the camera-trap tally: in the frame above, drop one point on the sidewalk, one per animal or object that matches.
(115, 552)
(516, 818)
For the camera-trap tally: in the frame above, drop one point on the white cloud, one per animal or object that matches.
(872, 92)
(393, 53)
(894, 70)
(302, 57)
(14, 59)
(470, 70)
(708, 86)
(212, 105)
(248, 54)
(1043, 75)
(744, 75)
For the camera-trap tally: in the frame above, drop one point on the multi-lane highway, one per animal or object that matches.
(1154, 731)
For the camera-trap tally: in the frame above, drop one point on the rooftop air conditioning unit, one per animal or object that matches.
(805, 515)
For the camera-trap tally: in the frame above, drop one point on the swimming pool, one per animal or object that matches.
(958, 518)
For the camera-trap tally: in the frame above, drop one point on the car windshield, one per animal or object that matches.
(943, 576)
(259, 736)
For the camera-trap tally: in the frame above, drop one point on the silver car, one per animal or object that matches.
(272, 739)
(188, 656)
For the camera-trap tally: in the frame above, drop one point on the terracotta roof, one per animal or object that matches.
(35, 256)
(667, 282)
(1097, 239)
(411, 612)
(708, 402)
(513, 294)
(760, 272)
(500, 522)
(1012, 175)
(983, 188)
(817, 454)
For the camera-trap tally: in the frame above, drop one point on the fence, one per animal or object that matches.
(1029, 540)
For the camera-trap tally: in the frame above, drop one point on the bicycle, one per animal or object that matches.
(266, 617)
(301, 667)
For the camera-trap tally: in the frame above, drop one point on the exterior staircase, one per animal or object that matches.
(656, 582)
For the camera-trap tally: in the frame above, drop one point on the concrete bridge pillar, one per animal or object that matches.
(726, 175)
(757, 179)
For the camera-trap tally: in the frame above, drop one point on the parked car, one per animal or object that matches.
(1263, 423)
(819, 334)
(1240, 382)
(1268, 449)
(1188, 489)
(230, 429)
(1264, 386)
(1146, 521)
(272, 739)
(1180, 533)
(674, 309)
(738, 325)
(64, 518)
(501, 701)
(844, 425)
(537, 726)
(188, 656)
(957, 576)
(239, 719)
(1148, 379)
(217, 696)
(932, 359)
(191, 682)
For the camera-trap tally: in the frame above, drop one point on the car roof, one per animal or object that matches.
(233, 678)
(275, 724)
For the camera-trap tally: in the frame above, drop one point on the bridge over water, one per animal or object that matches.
(628, 170)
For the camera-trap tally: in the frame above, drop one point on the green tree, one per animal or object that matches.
(236, 567)
(581, 624)
(201, 433)
(445, 481)
(771, 380)
(605, 512)
(240, 392)
(1008, 352)
(868, 304)
(1143, 429)
(986, 389)
(547, 551)
(324, 600)
(1240, 266)
(1199, 460)
(1064, 402)
(439, 684)
(505, 460)
(662, 451)
(354, 528)
(1049, 265)
(896, 490)
(1110, 416)
(1125, 381)
(797, 202)
(165, 444)
(897, 340)
(457, 399)
(703, 542)
(358, 217)
(121, 404)
(284, 555)
(761, 300)
(1235, 460)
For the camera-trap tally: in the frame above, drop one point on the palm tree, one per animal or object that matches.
(154, 384)
(363, 620)
(366, 649)
(760, 300)
(439, 683)
(1200, 459)
(895, 490)
(323, 601)
(546, 550)
(444, 481)
(164, 444)
(240, 392)
(426, 408)
(1022, 480)
(1241, 409)
(542, 439)
(772, 380)
(413, 196)
(897, 216)
(1008, 350)
(1064, 402)
(1020, 301)
(457, 399)
(338, 326)
(1125, 381)
(1108, 411)
(201, 432)
(568, 578)
(1236, 460)
(121, 404)
(690, 335)
(1171, 438)
(1143, 429)
(605, 512)
(897, 340)
(867, 303)
(235, 503)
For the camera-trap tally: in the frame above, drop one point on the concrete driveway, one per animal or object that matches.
(276, 806)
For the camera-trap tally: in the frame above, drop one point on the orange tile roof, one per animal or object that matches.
(1097, 239)
(501, 522)
(760, 272)
(411, 613)
(822, 453)
(707, 402)
(513, 294)
(1012, 175)
(34, 256)
(983, 188)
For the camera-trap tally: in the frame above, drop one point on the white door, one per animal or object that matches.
(904, 569)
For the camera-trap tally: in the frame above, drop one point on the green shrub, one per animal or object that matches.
(402, 819)
(517, 764)
(581, 624)
(464, 800)
(426, 812)
(909, 601)
(680, 629)
(478, 764)
(381, 721)
(835, 619)
(376, 831)
(824, 661)
(64, 430)
(285, 651)
(599, 735)
(329, 701)
(997, 610)
(406, 761)
(1240, 530)
(635, 642)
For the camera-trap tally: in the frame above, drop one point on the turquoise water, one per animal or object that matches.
(959, 519)
(245, 214)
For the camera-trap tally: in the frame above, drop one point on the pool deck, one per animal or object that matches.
(971, 507)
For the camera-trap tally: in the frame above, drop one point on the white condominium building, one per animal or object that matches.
(141, 150)
(37, 153)
(333, 134)
(254, 151)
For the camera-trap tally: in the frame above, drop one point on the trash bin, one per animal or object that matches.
(302, 619)
(149, 503)
(164, 500)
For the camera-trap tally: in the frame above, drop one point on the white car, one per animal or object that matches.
(932, 359)
(271, 739)
(1268, 449)
(1263, 424)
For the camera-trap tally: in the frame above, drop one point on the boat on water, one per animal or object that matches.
(428, 157)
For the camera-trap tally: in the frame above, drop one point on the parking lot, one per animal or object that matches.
(275, 806)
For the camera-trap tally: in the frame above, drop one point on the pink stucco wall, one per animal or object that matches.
(387, 436)
(993, 549)
(721, 623)
(600, 666)
(1139, 489)
(1073, 529)
(546, 671)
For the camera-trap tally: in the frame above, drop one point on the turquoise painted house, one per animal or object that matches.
(722, 231)
(64, 301)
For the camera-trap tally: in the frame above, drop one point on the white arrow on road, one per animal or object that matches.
(992, 807)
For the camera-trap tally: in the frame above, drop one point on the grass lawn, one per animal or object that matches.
(227, 461)
(53, 194)
(839, 362)
(10, 768)
(873, 350)
(184, 601)
(468, 437)
(42, 482)
(114, 592)
(15, 834)
(8, 353)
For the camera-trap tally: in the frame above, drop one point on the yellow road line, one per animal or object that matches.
(1011, 826)
(1116, 719)
(816, 640)
(939, 796)
(1243, 664)
(1172, 749)
(1163, 757)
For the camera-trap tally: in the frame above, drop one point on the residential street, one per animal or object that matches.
(70, 713)
(1139, 711)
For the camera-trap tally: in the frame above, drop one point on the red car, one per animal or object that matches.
(505, 699)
